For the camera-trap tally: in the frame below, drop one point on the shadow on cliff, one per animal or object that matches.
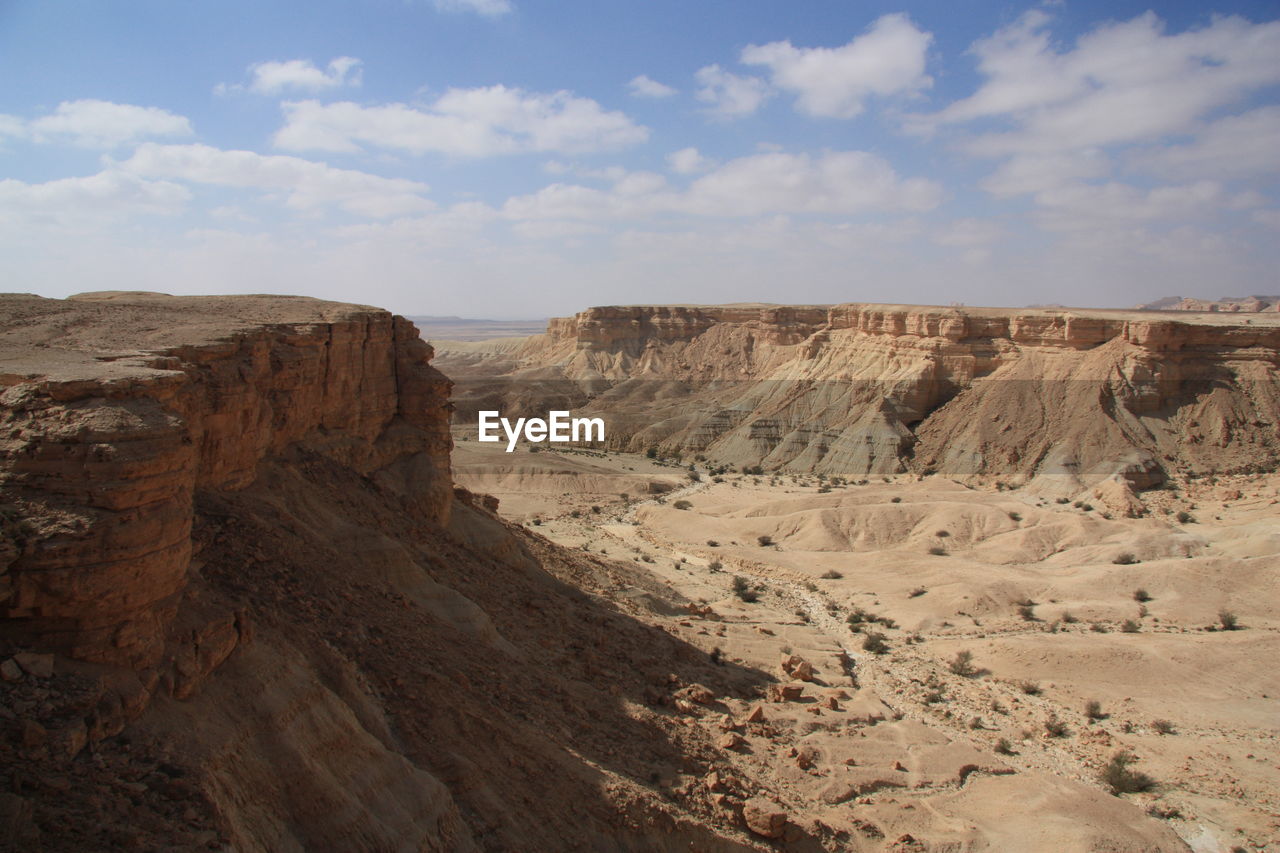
(542, 715)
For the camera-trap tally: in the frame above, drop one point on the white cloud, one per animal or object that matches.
(834, 82)
(487, 8)
(1269, 218)
(12, 126)
(464, 122)
(273, 78)
(730, 95)
(103, 124)
(838, 182)
(643, 87)
(1239, 146)
(1112, 205)
(69, 201)
(1121, 83)
(304, 185)
(968, 233)
(1030, 173)
(688, 161)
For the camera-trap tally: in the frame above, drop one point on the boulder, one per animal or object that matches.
(764, 818)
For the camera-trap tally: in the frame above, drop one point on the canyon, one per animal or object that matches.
(258, 593)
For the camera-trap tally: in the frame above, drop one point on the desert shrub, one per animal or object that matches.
(895, 500)
(831, 575)
(917, 592)
(1129, 626)
(1093, 710)
(1015, 516)
(976, 723)
(1228, 620)
(1120, 779)
(1185, 517)
(1162, 727)
(1003, 747)
(764, 541)
(715, 566)
(1054, 727)
(717, 656)
(537, 522)
(711, 543)
(938, 551)
(874, 642)
(1068, 618)
(1087, 507)
(1027, 612)
(682, 504)
(1030, 688)
(942, 534)
(577, 513)
(1063, 500)
(1125, 559)
(962, 664)
(1141, 595)
(652, 453)
(933, 697)
(1097, 628)
(742, 589)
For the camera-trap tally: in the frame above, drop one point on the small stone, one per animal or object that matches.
(34, 735)
(34, 664)
(764, 818)
(10, 671)
(731, 740)
(756, 715)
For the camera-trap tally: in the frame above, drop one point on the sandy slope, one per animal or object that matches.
(1218, 769)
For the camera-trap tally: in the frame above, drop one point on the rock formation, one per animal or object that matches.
(1068, 397)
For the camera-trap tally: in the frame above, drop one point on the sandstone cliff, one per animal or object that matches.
(1065, 396)
(244, 607)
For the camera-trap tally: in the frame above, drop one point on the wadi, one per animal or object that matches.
(843, 577)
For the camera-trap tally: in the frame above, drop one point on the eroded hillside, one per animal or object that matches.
(1069, 398)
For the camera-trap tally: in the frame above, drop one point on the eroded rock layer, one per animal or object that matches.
(1073, 396)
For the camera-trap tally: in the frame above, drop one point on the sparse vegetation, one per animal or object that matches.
(1185, 517)
(895, 500)
(1120, 779)
(742, 588)
(764, 541)
(1162, 727)
(1097, 628)
(1003, 747)
(938, 551)
(1015, 516)
(1067, 618)
(715, 566)
(1228, 621)
(1093, 710)
(1141, 596)
(1125, 559)
(875, 643)
(917, 592)
(831, 575)
(1054, 727)
(1027, 612)
(682, 504)
(942, 534)
(711, 543)
(1129, 626)
(1030, 688)
(962, 664)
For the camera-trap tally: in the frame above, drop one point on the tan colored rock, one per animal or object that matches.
(731, 740)
(785, 692)
(755, 715)
(764, 818)
(697, 693)
(10, 671)
(797, 667)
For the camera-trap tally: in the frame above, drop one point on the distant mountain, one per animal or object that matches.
(1233, 304)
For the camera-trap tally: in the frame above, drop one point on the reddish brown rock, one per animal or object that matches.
(764, 818)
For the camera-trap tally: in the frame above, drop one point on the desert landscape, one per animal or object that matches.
(261, 593)
(490, 426)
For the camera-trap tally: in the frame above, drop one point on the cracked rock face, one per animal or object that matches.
(117, 409)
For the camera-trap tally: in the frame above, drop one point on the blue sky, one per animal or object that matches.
(513, 158)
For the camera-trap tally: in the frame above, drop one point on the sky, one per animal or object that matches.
(531, 158)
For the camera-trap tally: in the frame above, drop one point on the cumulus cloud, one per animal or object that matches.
(837, 182)
(299, 75)
(968, 233)
(464, 122)
(302, 184)
(730, 95)
(834, 82)
(643, 87)
(1240, 146)
(688, 161)
(1123, 82)
(487, 8)
(71, 200)
(1089, 207)
(102, 124)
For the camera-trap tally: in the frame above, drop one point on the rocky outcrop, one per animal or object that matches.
(103, 450)
(1076, 396)
(1230, 304)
